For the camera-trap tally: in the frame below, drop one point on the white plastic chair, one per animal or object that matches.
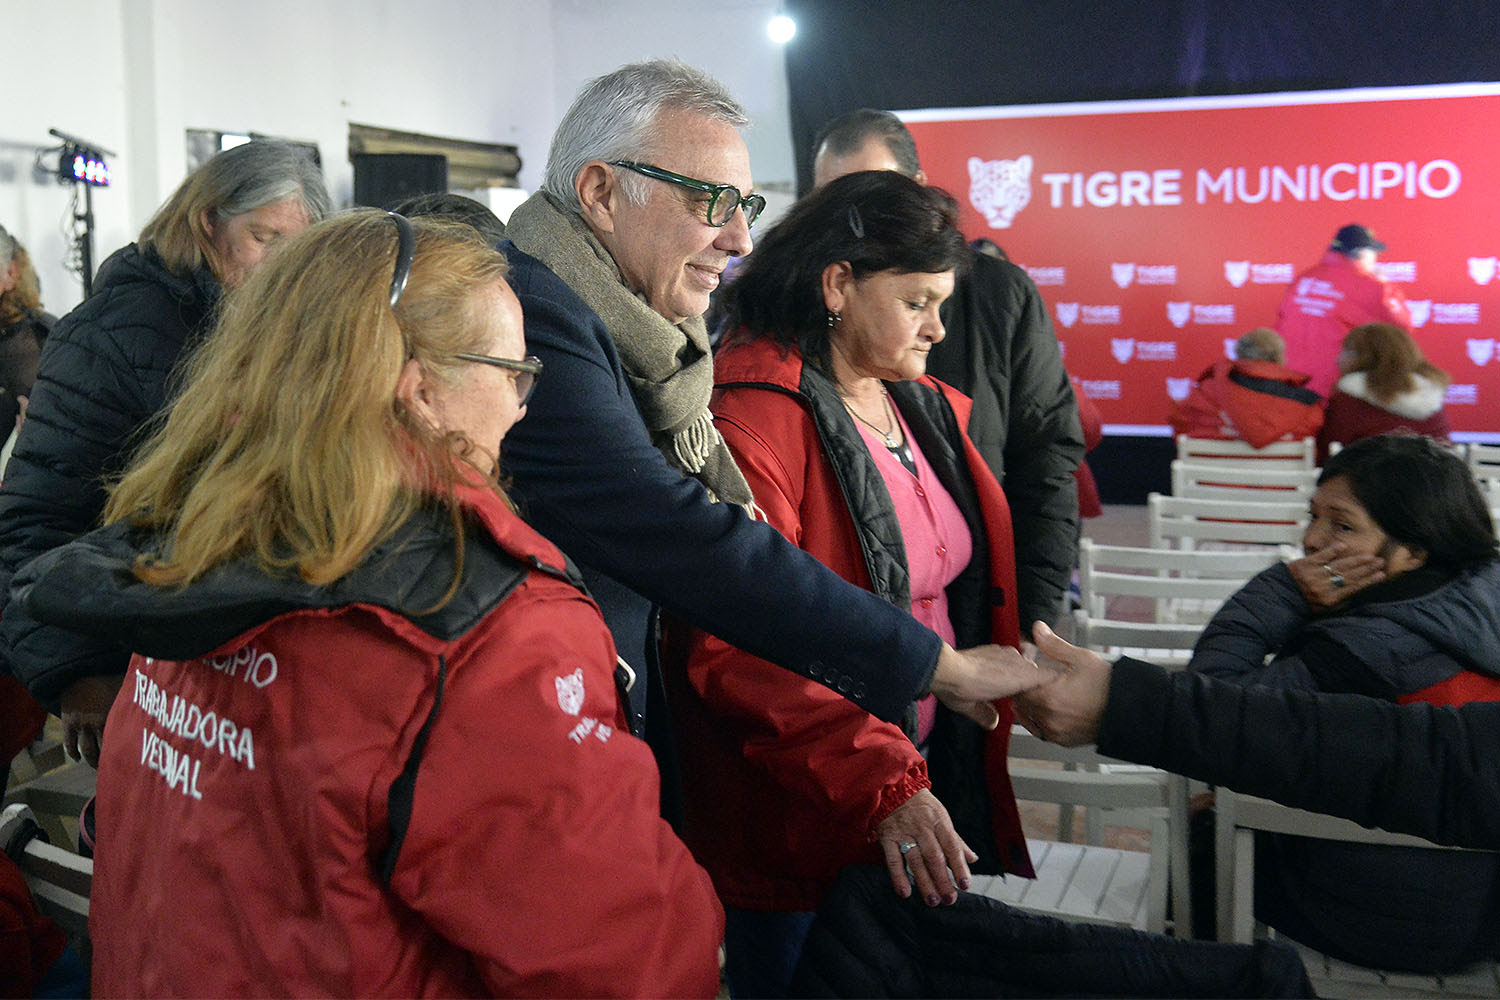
(1202, 451)
(1483, 459)
(1181, 586)
(1268, 482)
(1090, 882)
(1239, 816)
(60, 881)
(1187, 523)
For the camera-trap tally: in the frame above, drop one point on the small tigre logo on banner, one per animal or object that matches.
(1179, 313)
(1178, 388)
(1482, 269)
(1122, 348)
(1124, 274)
(1237, 272)
(1480, 351)
(1000, 188)
(1421, 311)
(1067, 313)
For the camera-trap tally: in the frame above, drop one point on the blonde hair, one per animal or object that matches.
(288, 443)
(236, 181)
(1389, 357)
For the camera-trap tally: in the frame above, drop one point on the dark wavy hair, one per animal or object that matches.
(876, 220)
(1420, 494)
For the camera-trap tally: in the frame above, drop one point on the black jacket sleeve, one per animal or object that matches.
(103, 374)
(1000, 349)
(1421, 769)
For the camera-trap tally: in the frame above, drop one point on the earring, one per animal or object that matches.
(834, 318)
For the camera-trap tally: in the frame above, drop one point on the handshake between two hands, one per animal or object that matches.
(1058, 689)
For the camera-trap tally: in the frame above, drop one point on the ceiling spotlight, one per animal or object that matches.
(781, 29)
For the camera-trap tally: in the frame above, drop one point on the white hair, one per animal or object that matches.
(615, 116)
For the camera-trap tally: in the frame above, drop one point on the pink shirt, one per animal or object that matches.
(938, 544)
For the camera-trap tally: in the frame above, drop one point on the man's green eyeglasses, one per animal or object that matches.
(723, 198)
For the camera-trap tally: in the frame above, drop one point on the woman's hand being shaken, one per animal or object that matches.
(919, 836)
(1329, 576)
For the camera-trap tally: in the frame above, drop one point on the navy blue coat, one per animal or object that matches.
(585, 473)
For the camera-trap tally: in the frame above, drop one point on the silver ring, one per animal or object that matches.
(905, 847)
(1337, 580)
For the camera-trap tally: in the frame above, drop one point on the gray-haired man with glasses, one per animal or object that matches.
(643, 205)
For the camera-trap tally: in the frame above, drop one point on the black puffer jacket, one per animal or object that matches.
(103, 376)
(1000, 350)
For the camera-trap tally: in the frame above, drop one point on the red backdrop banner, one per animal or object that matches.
(1159, 230)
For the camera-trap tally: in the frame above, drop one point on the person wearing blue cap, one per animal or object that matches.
(1328, 300)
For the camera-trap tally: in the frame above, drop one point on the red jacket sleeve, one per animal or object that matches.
(535, 842)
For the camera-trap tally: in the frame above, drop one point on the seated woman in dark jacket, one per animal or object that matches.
(1397, 597)
(858, 458)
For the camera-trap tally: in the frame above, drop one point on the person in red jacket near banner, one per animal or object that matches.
(1386, 386)
(1327, 300)
(1254, 397)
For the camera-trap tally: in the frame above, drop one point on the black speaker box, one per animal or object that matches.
(384, 180)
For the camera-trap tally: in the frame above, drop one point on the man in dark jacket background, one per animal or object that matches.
(999, 350)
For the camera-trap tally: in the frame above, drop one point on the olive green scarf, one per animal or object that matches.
(669, 366)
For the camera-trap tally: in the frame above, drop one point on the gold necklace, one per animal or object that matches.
(889, 435)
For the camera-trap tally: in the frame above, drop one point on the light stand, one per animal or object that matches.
(82, 162)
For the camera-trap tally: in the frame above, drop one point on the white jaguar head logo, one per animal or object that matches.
(1178, 388)
(1067, 313)
(1123, 274)
(1122, 349)
(1237, 272)
(570, 692)
(1000, 188)
(1421, 311)
(1179, 313)
(1482, 269)
(1480, 351)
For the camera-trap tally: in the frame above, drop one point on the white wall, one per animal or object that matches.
(725, 37)
(132, 75)
(65, 69)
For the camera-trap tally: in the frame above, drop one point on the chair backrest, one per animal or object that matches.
(1163, 585)
(1200, 451)
(1185, 522)
(1239, 817)
(60, 881)
(1271, 482)
(1088, 881)
(1483, 459)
